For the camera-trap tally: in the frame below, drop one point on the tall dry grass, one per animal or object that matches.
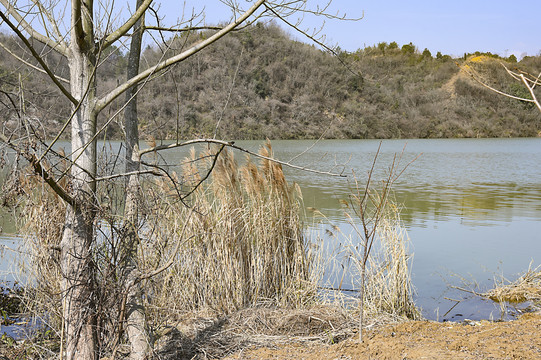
(243, 241)
(388, 289)
(237, 241)
(42, 219)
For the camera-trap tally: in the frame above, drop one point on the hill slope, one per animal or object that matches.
(259, 83)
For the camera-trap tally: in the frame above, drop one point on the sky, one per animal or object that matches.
(453, 27)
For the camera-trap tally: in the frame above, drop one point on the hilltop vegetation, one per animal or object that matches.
(260, 83)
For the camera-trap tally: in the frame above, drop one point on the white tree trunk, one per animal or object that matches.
(79, 302)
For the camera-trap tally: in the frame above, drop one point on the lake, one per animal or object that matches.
(471, 207)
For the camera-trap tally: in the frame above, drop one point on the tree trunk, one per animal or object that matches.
(78, 285)
(136, 328)
(78, 271)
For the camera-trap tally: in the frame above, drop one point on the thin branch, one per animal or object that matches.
(114, 36)
(534, 80)
(60, 47)
(195, 28)
(530, 89)
(60, 191)
(232, 145)
(141, 172)
(474, 77)
(312, 38)
(45, 175)
(174, 253)
(202, 180)
(29, 64)
(320, 11)
(108, 98)
(184, 29)
(8, 95)
(39, 59)
(229, 94)
(321, 137)
(51, 20)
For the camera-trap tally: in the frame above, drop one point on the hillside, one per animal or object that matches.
(259, 83)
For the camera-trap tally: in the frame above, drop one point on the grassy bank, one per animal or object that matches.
(221, 246)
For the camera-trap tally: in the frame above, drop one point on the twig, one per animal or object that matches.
(141, 172)
(452, 307)
(232, 145)
(29, 64)
(174, 253)
(39, 59)
(337, 289)
(207, 174)
(466, 290)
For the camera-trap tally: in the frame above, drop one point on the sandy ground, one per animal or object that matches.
(519, 339)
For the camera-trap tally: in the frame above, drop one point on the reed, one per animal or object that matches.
(243, 244)
(237, 242)
(42, 218)
(388, 288)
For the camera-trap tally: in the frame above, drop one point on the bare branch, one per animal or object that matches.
(320, 11)
(209, 171)
(524, 77)
(57, 46)
(232, 145)
(194, 28)
(184, 29)
(39, 59)
(108, 98)
(114, 36)
(29, 64)
(141, 172)
(476, 78)
(52, 21)
(530, 89)
(41, 171)
(173, 254)
(312, 38)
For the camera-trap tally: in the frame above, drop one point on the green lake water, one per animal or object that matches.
(471, 207)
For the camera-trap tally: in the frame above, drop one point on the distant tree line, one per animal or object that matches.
(259, 83)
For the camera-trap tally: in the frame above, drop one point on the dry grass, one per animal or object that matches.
(388, 289)
(525, 288)
(243, 245)
(43, 219)
(235, 250)
(203, 336)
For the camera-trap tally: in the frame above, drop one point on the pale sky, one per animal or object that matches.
(452, 26)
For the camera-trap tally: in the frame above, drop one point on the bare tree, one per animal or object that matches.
(368, 207)
(83, 44)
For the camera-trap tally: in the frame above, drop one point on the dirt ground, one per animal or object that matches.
(326, 333)
(519, 339)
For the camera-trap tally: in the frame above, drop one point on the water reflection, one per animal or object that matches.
(477, 205)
